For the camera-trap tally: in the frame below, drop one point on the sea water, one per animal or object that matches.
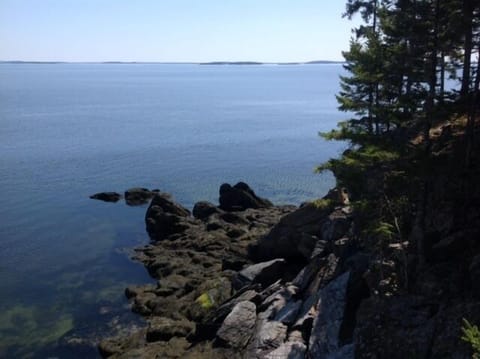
(70, 130)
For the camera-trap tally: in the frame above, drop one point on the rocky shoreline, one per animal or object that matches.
(234, 280)
(247, 279)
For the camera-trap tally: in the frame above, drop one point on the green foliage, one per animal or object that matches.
(383, 230)
(350, 169)
(394, 92)
(323, 203)
(471, 335)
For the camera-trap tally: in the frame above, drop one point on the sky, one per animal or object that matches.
(173, 30)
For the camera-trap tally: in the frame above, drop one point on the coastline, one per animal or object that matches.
(220, 262)
(248, 279)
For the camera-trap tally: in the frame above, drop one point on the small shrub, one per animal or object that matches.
(471, 335)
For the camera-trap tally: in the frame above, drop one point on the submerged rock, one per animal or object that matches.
(138, 196)
(107, 196)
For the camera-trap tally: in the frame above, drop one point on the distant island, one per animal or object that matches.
(317, 62)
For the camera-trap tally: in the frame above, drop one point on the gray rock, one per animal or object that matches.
(238, 326)
(448, 247)
(220, 313)
(268, 337)
(324, 339)
(264, 273)
(288, 350)
(289, 312)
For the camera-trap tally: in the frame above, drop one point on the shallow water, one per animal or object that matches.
(70, 130)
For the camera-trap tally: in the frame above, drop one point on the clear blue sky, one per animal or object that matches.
(172, 30)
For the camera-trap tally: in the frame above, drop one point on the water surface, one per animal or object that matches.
(70, 130)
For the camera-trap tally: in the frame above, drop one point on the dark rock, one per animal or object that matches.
(240, 197)
(399, 327)
(448, 247)
(345, 352)
(138, 196)
(336, 226)
(165, 217)
(107, 196)
(203, 210)
(328, 269)
(305, 276)
(264, 273)
(297, 234)
(237, 328)
(213, 226)
(235, 263)
(344, 247)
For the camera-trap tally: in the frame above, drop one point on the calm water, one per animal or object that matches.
(70, 130)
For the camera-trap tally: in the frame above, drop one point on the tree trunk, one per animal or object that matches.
(468, 44)
(472, 114)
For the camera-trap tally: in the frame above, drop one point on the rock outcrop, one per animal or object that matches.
(240, 197)
(248, 279)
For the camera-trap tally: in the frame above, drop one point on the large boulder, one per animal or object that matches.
(298, 233)
(165, 217)
(240, 197)
(238, 326)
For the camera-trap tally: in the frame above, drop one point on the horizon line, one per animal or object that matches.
(178, 62)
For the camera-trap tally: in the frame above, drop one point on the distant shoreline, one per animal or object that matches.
(230, 63)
